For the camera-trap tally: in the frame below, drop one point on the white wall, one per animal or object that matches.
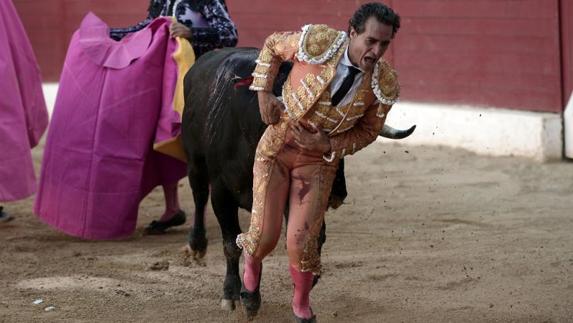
(568, 127)
(489, 131)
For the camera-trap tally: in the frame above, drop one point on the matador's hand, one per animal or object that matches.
(177, 29)
(308, 137)
(270, 107)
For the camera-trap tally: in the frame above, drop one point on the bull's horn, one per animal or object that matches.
(389, 132)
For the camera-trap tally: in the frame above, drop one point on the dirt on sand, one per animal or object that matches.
(426, 235)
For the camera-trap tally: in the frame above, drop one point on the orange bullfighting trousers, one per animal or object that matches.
(300, 178)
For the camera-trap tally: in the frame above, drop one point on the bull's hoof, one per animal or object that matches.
(197, 244)
(190, 257)
(228, 305)
(197, 254)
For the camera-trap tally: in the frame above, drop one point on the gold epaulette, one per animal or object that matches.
(385, 83)
(319, 43)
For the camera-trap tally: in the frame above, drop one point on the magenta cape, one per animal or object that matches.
(23, 114)
(114, 100)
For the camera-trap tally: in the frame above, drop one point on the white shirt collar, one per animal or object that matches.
(346, 60)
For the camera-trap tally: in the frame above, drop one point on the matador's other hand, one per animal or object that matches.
(177, 29)
(270, 107)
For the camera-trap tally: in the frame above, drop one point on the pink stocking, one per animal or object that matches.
(171, 201)
(252, 272)
(301, 298)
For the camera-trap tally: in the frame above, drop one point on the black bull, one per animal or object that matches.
(221, 127)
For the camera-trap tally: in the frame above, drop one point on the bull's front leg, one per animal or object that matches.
(226, 210)
(199, 182)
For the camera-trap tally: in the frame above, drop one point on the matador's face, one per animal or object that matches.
(365, 49)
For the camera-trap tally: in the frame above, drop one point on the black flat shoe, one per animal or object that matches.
(252, 300)
(159, 227)
(5, 217)
(301, 320)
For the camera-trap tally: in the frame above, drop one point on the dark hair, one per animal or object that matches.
(382, 12)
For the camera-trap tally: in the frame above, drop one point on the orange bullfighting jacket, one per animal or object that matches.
(316, 51)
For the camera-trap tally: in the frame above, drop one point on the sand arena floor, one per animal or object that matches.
(426, 235)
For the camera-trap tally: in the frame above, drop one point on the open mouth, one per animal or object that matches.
(369, 60)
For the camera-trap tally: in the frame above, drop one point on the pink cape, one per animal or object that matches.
(114, 100)
(23, 114)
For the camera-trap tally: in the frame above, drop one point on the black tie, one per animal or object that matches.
(345, 86)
